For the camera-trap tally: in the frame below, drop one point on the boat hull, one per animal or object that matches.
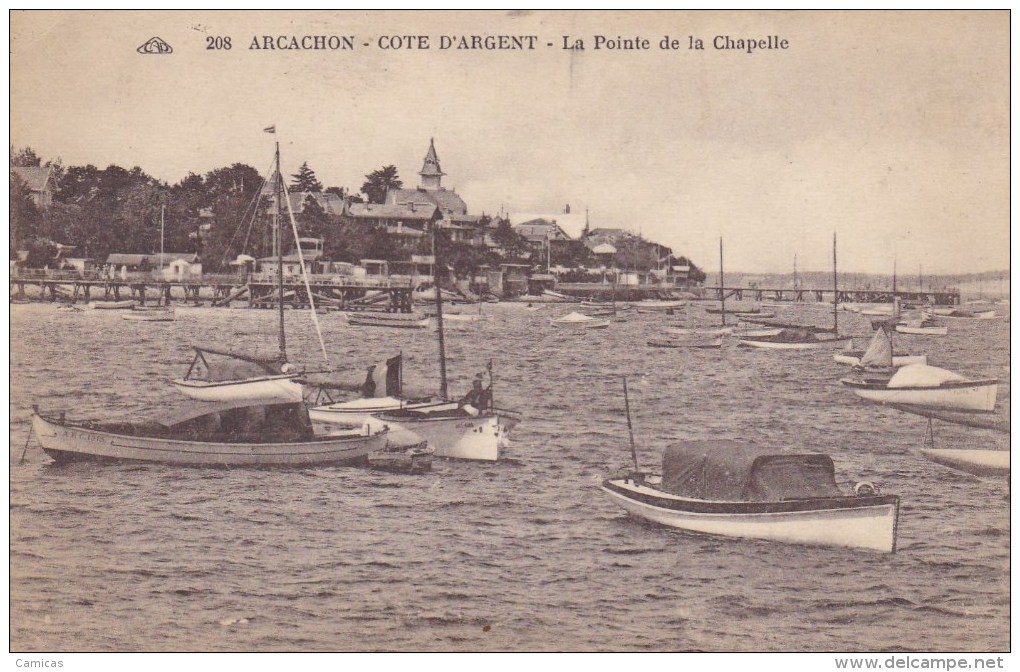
(413, 460)
(360, 411)
(580, 326)
(897, 360)
(148, 316)
(976, 462)
(781, 345)
(855, 522)
(68, 444)
(282, 388)
(111, 305)
(921, 331)
(462, 437)
(390, 322)
(977, 395)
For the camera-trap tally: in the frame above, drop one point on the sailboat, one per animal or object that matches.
(156, 313)
(473, 428)
(226, 375)
(878, 355)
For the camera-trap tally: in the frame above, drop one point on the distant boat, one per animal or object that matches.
(112, 305)
(976, 462)
(685, 343)
(390, 320)
(725, 488)
(929, 387)
(140, 314)
(576, 320)
(789, 339)
(967, 315)
(226, 435)
(922, 328)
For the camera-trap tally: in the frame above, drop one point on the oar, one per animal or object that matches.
(25, 450)
(630, 427)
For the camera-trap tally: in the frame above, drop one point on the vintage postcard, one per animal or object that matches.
(511, 331)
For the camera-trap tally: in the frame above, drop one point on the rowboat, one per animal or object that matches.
(679, 343)
(686, 331)
(922, 328)
(853, 358)
(929, 387)
(758, 314)
(725, 488)
(967, 315)
(111, 305)
(138, 314)
(976, 462)
(789, 339)
(416, 459)
(576, 320)
(387, 320)
(209, 435)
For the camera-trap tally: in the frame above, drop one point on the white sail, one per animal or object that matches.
(879, 352)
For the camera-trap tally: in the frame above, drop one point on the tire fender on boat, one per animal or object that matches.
(865, 489)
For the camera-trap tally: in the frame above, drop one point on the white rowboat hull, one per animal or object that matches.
(868, 527)
(922, 331)
(467, 438)
(360, 411)
(977, 462)
(897, 360)
(979, 396)
(778, 345)
(280, 388)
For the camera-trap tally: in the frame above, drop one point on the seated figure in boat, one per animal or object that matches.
(471, 402)
(368, 387)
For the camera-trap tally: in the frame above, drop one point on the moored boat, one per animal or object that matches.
(390, 320)
(111, 305)
(577, 320)
(967, 315)
(239, 377)
(922, 328)
(725, 488)
(789, 339)
(453, 432)
(976, 462)
(416, 459)
(138, 314)
(929, 387)
(209, 435)
(685, 343)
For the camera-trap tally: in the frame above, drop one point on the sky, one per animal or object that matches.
(890, 129)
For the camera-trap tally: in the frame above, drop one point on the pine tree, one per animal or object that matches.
(305, 180)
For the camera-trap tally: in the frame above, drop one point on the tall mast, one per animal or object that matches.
(439, 313)
(722, 284)
(894, 277)
(278, 244)
(795, 271)
(835, 289)
(162, 217)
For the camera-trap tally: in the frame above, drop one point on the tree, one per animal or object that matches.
(24, 215)
(24, 157)
(378, 182)
(513, 244)
(305, 180)
(313, 220)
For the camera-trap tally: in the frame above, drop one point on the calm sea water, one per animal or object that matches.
(524, 554)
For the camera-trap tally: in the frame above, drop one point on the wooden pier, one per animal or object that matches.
(949, 297)
(392, 294)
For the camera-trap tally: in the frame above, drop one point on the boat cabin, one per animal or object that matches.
(725, 470)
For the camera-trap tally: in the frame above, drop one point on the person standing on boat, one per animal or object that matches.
(368, 387)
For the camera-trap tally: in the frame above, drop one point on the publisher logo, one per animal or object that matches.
(155, 46)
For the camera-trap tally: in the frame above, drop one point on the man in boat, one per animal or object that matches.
(368, 387)
(473, 399)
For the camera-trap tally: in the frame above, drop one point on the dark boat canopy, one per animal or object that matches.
(724, 470)
(229, 422)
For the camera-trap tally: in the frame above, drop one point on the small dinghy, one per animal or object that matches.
(922, 328)
(389, 320)
(416, 459)
(879, 354)
(726, 488)
(577, 320)
(967, 315)
(976, 462)
(111, 305)
(789, 339)
(927, 387)
(685, 343)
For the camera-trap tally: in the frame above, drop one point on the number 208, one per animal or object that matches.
(217, 42)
